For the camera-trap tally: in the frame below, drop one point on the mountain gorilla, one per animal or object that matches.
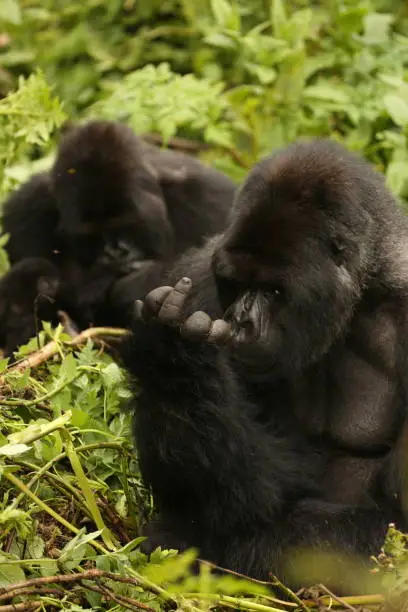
(274, 373)
(112, 206)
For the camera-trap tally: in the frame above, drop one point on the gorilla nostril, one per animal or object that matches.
(248, 301)
(242, 330)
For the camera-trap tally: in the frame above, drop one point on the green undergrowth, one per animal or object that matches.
(71, 499)
(72, 502)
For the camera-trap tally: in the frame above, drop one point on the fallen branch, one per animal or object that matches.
(192, 147)
(69, 326)
(52, 348)
(59, 578)
(22, 607)
(181, 144)
(37, 586)
(333, 598)
(122, 600)
(91, 574)
(31, 591)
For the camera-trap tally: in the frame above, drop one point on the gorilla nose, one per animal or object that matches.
(243, 331)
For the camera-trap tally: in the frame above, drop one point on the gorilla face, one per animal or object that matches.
(288, 279)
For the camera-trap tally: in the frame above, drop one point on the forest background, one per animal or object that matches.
(229, 81)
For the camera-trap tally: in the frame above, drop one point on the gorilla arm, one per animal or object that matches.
(199, 451)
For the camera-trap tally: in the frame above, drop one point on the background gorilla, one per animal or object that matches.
(27, 297)
(282, 426)
(110, 206)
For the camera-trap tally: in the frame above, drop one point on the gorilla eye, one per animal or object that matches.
(274, 293)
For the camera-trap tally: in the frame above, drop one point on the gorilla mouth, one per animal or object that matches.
(243, 333)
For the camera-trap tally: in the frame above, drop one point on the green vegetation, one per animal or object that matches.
(236, 79)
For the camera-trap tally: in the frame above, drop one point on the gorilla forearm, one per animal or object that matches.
(205, 432)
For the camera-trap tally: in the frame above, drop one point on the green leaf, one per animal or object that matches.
(13, 450)
(326, 92)
(9, 574)
(377, 28)
(74, 551)
(68, 367)
(35, 547)
(171, 569)
(264, 74)
(397, 177)
(3, 365)
(397, 109)
(221, 40)
(39, 429)
(15, 519)
(111, 375)
(222, 11)
(10, 12)
(350, 18)
(79, 418)
(22, 381)
(278, 17)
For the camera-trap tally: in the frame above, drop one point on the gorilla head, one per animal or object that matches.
(108, 197)
(292, 265)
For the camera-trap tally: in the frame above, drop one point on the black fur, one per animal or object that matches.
(113, 207)
(291, 434)
(27, 297)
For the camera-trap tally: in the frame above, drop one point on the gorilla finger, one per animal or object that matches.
(171, 310)
(220, 332)
(197, 326)
(154, 300)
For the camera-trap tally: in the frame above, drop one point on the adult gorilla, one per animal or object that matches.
(274, 374)
(110, 207)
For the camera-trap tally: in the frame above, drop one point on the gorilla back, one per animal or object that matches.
(277, 370)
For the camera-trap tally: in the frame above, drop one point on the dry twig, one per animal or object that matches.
(52, 348)
(26, 606)
(60, 578)
(181, 144)
(334, 597)
(36, 586)
(122, 600)
(32, 591)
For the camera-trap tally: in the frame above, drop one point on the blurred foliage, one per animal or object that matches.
(278, 70)
(28, 118)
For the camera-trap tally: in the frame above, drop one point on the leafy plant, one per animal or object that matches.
(28, 117)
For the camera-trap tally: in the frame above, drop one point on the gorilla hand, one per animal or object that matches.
(165, 305)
